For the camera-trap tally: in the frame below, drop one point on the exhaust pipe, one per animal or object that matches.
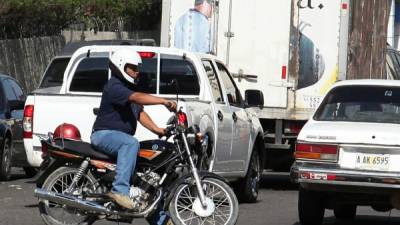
(89, 206)
(71, 201)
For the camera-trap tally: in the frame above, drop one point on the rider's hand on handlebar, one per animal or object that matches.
(161, 131)
(171, 105)
(164, 132)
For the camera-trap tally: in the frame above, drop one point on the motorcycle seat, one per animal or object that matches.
(82, 148)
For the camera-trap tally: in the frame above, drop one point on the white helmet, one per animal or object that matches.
(122, 57)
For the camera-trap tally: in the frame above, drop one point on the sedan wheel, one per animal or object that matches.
(311, 207)
(5, 166)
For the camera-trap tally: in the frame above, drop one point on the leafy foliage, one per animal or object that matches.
(29, 18)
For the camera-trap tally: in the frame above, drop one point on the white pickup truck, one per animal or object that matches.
(207, 93)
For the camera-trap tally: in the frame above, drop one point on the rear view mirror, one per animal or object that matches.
(254, 98)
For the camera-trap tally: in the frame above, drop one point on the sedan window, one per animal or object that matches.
(9, 91)
(2, 100)
(17, 90)
(361, 104)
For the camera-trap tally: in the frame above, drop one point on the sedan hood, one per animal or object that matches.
(350, 132)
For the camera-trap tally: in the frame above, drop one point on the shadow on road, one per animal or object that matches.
(361, 220)
(277, 181)
(31, 206)
(15, 177)
(16, 174)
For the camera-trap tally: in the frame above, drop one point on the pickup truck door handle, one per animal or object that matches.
(96, 111)
(234, 117)
(220, 116)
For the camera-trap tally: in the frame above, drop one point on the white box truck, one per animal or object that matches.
(291, 50)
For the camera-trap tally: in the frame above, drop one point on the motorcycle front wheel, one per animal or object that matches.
(58, 181)
(221, 204)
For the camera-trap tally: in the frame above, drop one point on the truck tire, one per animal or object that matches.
(310, 207)
(30, 171)
(247, 188)
(345, 211)
(5, 161)
(204, 158)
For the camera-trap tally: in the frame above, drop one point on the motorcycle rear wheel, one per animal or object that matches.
(222, 205)
(58, 181)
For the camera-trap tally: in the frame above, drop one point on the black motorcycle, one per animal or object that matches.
(74, 179)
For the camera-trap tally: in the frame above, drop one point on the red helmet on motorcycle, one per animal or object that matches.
(67, 131)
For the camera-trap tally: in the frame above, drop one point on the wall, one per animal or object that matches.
(74, 35)
(26, 59)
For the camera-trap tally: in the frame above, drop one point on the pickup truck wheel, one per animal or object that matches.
(247, 188)
(204, 163)
(202, 160)
(30, 171)
(345, 211)
(310, 207)
(5, 163)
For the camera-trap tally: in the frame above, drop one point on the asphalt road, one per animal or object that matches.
(277, 206)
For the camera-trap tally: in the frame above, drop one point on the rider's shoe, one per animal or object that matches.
(122, 200)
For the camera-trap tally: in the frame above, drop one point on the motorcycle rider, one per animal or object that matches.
(120, 108)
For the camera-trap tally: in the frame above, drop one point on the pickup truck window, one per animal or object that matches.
(175, 67)
(361, 104)
(91, 75)
(232, 92)
(214, 82)
(148, 75)
(55, 72)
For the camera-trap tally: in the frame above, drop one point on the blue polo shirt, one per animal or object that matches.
(116, 112)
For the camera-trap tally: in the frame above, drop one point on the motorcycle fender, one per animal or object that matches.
(46, 168)
(187, 179)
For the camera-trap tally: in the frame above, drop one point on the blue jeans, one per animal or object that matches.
(125, 148)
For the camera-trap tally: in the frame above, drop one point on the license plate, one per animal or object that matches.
(372, 161)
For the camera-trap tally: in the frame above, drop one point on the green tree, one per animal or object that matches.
(28, 18)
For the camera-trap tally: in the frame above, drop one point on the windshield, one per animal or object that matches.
(361, 104)
(55, 73)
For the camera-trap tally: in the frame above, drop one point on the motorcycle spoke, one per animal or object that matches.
(214, 193)
(64, 214)
(184, 208)
(220, 214)
(220, 198)
(190, 218)
(191, 215)
(221, 203)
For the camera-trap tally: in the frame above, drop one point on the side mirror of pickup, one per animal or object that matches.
(254, 98)
(16, 105)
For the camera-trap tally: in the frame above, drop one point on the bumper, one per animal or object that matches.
(318, 177)
(33, 154)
